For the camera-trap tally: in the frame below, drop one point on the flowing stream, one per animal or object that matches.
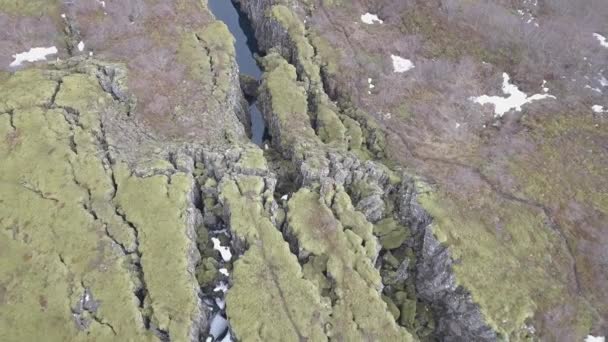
(246, 47)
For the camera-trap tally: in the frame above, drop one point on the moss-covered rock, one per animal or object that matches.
(268, 263)
(358, 308)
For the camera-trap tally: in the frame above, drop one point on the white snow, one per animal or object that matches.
(601, 39)
(221, 287)
(224, 271)
(594, 89)
(33, 55)
(219, 325)
(603, 81)
(401, 64)
(599, 109)
(591, 338)
(371, 85)
(284, 197)
(370, 19)
(102, 3)
(515, 100)
(81, 46)
(224, 251)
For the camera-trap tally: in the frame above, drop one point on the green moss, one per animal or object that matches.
(26, 89)
(330, 56)
(494, 240)
(297, 33)
(358, 309)
(252, 159)
(156, 207)
(329, 127)
(250, 185)
(287, 105)
(29, 8)
(355, 221)
(268, 264)
(52, 245)
(191, 54)
(391, 233)
(408, 313)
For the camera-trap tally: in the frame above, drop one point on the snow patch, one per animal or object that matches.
(401, 64)
(81, 46)
(221, 287)
(224, 251)
(601, 39)
(33, 55)
(591, 338)
(224, 271)
(515, 100)
(370, 19)
(218, 326)
(599, 109)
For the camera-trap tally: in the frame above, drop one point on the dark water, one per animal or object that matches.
(245, 46)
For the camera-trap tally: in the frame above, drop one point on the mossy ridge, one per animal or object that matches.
(517, 251)
(60, 186)
(157, 207)
(358, 307)
(268, 263)
(285, 106)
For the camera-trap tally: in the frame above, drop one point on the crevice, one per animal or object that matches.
(44, 195)
(51, 103)
(277, 285)
(10, 112)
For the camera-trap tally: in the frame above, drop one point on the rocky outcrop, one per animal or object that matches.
(368, 184)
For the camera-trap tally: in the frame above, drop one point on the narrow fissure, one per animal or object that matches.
(246, 48)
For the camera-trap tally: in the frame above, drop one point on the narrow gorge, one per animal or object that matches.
(206, 171)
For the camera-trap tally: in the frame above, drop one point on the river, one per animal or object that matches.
(245, 47)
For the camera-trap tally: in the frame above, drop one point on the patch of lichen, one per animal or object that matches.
(502, 247)
(358, 310)
(53, 246)
(267, 264)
